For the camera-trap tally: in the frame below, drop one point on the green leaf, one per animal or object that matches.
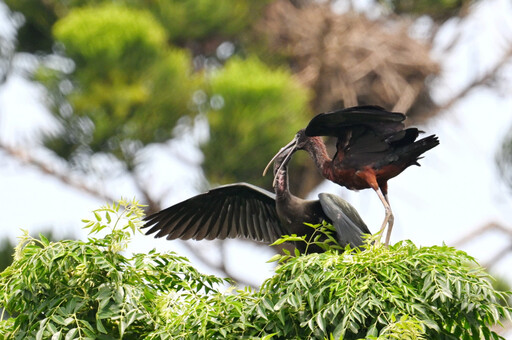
(97, 216)
(39, 334)
(275, 258)
(261, 312)
(266, 302)
(71, 334)
(339, 331)
(44, 240)
(99, 325)
(51, 327)
(320, 321)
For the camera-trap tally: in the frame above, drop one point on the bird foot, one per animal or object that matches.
(388, 221)
(391, 220)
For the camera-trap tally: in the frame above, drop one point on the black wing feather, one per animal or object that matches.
(235, 218)
(270, 232)
(235, 210)
(374, 117)
(199, 225)
(210, 221)
(219, 225)
(350, 227)
(246, 225)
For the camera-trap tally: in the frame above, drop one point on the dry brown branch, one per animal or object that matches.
(348, 59)
(64, 176)
(497, 257)
(27, 159)
(491, 226)
(152, 205)
(478, 81)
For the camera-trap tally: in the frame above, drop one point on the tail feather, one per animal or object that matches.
(409, 154)
(412, 152)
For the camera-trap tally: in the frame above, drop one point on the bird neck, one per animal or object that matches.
(318, 152)
(281, 187)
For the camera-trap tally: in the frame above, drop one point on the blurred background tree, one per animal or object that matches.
(237, 78)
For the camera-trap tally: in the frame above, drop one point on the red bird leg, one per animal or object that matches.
(368, 174)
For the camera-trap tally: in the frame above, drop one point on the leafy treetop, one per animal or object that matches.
(90, 290)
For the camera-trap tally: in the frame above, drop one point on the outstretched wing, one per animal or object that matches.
(234, 210)
(350, 227)
(335, 123)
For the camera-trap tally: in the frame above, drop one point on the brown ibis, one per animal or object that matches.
(245, 210)
(372, 147)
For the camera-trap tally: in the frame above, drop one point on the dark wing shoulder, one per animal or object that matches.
(229, 211)
(375, 117)
(349, 225)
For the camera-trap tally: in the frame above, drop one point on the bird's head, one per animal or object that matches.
(300, 142)
(282, 157)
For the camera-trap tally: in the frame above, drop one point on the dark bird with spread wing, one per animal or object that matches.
(245, 210)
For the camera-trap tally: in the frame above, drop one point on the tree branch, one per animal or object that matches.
(27, 159)
(153, 205)
(481, 230)
(484, 229)
(497, 256)
(479, 81)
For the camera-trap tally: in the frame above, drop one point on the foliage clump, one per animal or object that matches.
(127, 73)
(202, 19)
(109, 32)
(89, 290)
(126, 87)
(269, 99)
(360, 294)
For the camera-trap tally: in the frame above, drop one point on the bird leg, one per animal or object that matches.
(388, 219)
(368, 174)
(391, 220)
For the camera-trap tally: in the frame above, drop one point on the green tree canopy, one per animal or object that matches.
(130, 83)
(249, 118)
(127, 85)
(129, 70)
(202, 19)
(90, 290)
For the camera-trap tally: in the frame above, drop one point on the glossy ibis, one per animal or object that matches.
(245, 210)
(372, 147)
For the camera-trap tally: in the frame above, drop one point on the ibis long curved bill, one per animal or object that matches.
(290, 148)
